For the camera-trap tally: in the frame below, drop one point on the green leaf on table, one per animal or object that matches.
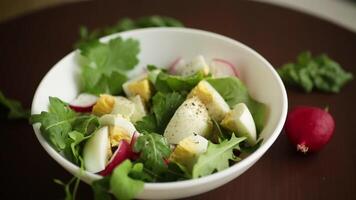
(104, 65)
(234, 92)
(125, 24)
(69, 189)
(13, 108)
(217, 157)
(320, 73)
(153, 149)
(122, 185)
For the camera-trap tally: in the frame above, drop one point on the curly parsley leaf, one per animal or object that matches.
(13, 108)
(104, 65)
(147, 124)
(125, 24)
(320, 73)
(217, 157)
(153, 149)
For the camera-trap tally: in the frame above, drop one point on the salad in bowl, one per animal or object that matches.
(128, 126)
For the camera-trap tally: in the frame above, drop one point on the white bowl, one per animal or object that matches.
(160, 46)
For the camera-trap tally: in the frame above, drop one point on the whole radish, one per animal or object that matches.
(309, 128)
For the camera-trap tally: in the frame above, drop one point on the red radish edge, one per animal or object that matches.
(134, 155)
(172, 67)
(83, 103)
(236, 71)
(82, 109)
(122, 153)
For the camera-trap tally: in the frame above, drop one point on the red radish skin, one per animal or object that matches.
(82, 109)
(83, 103)
(134, 155)
(172, 68)
(122, 153)
(309, 128)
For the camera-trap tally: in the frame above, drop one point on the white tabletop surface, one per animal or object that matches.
(341, 12)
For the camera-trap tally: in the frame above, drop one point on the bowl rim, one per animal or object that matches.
(184, 183)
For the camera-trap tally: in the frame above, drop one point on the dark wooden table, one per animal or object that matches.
(32, 44)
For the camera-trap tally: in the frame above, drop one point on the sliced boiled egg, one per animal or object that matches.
(190, 118)
(120, 128)
(214, 102)
(240, 121)
(140, 109)
(197, 64)
(97, 151)
(140, 86)
(188, 150)
(124, 107)
(104, 105)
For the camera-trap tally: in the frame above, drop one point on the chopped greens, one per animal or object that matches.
(319, 73)
(13, 108)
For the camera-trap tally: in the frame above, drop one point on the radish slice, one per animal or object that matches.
(223, 68)
(176, 65)
(83, 103)
(122, 153)
(134, 155)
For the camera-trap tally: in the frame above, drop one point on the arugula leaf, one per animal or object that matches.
(86, 124)
(64, 129)
(153, 149)
(217, 157)
(105, 64)
(234, 92)
(13, 108)
(164, 82)
(125, 24)
(70, 195)
(164, 106)
(320, 73)
(121, 185)
(56, 123)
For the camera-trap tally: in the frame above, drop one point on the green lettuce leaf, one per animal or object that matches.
(217, 157)
(234, 92)
(122, 185)
(164, 82)
(147, 124)
(320, 73)
(104, 65)
(153, 149)
(13, 108)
